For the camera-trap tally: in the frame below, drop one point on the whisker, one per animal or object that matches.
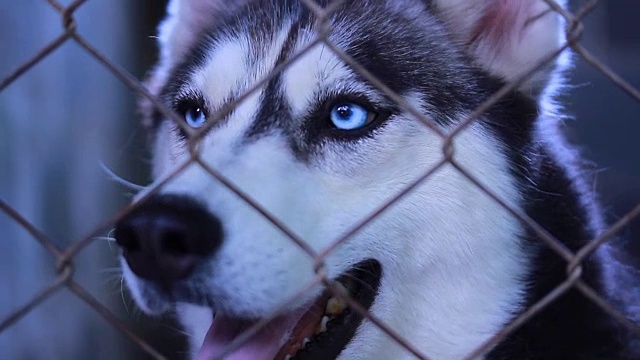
(119, 179)
(176, 329)
(109, 239)
(105, 238)
(124, 301)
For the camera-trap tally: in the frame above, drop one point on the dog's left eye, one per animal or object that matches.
(195, 117)
(350, 116)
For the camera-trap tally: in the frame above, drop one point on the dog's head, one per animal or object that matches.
(301, 146)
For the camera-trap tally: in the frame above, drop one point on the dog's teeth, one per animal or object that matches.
(323, 324)
(305, 342)
(335, 306)
(288, 357)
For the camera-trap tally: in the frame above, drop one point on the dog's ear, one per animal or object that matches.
(507, 37)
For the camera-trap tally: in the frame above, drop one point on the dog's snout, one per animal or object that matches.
(166, 237)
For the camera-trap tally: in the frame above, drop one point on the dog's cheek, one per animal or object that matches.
(165, 150)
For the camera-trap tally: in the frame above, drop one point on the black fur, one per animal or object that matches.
(572, 327)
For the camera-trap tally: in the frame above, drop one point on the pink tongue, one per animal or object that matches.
(264, 345)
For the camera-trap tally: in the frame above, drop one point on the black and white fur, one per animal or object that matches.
(457, 266)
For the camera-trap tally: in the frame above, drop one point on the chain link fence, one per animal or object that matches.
(64, 257)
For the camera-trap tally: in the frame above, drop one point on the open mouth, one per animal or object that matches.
(320, 331)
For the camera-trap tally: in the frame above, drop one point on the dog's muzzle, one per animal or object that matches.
(165, 238)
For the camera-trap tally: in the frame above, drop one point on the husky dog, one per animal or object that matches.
(319, 147)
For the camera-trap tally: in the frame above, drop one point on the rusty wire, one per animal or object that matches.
(64, 268)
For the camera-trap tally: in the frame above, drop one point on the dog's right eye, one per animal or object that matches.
(350, 116)
(195, 116)
(192, 110)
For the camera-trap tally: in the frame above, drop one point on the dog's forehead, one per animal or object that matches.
(260, 37)
(303, 69)
(277, 58)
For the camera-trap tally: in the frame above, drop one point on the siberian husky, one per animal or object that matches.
(315, 143)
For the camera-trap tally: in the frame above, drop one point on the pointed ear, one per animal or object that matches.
(507, 37)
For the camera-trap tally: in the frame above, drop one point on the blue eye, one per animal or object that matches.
(349, 116)
(195, 117)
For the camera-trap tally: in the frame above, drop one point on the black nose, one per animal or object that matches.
(166, 237)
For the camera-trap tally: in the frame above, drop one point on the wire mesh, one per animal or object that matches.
(65, 257)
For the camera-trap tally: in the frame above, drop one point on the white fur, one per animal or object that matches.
(305, 77)
(218, 83)
(178, 31)
(319, 73)
(435, 266)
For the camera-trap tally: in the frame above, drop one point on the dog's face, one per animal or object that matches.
(305, 138)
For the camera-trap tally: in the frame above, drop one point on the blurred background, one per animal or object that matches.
(68, 116)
